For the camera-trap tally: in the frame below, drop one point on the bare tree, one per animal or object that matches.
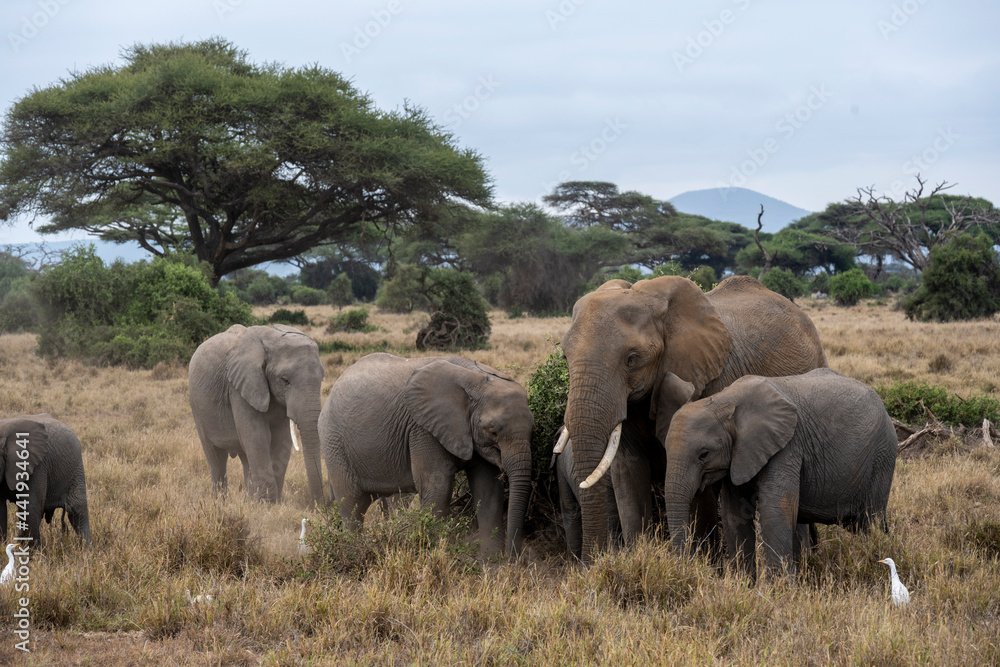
(907, 229)
(768, 258)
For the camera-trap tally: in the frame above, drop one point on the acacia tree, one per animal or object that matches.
(193, 147)
(908, 229)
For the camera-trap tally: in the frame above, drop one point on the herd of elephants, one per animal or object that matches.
(725, 396)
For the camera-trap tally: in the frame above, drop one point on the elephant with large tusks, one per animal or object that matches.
(249, 387)
(632, 348)
(392, 425)
(817, 447)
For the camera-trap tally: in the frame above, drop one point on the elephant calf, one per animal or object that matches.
(41, 470)
(817, 447)
(393, 425)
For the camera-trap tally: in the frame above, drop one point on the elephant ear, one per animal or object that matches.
(671, 395)
(436, 397)
(245, 363)
(765, 421)
(35, 439)
(696, 341)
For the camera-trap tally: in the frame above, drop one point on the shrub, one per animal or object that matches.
(460, 318)
(295, 318)
(906, 401)
(404, 292)
(821, 283)
(671, 268)
(849, 287)
(704, 277)
(19, 310)
(307, 296)
(339, 292)
(961, 282)
(548, 389)
(629, 273)
(784, 282)
(355, 320)
(135, 315)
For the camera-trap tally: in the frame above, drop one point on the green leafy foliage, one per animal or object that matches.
(295, 318)
(307, 296)
(460, 318)
(265, 160)
(909, 402)
(354, 320)
(784, 282)
(339, 292)
(404, 291)
(548, 390)
(849, 287)
(18, 309)
(135, 315)
(961, 282)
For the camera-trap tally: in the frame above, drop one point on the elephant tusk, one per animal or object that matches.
(295, 438)
(609, 456)
(561, 442)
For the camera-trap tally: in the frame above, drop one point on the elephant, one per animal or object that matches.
(248, 386)
(817, 447)
(392, 425)
(627, 347)
(42, 470)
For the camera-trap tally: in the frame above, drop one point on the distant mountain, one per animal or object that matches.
(739, 205)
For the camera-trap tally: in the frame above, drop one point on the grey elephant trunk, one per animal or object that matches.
(593, 410)
(517, 467)
(678, 511)
(307, 421)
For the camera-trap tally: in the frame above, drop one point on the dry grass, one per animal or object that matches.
(157, 532)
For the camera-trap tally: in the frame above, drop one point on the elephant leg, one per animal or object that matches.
(246, 470)
(740, 537)
(433, 469)
(3, 520)
(705, 510)
(36, 499)
(487, 494)
(805, 541)
(217, 459)
(632, 483)
(281, 451)
(254, 433)
(778, 510)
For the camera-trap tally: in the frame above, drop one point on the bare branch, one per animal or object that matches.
(768, 259)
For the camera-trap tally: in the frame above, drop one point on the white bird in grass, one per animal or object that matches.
(198, 599)
(304, 548)
(8, 572)
(900, 596)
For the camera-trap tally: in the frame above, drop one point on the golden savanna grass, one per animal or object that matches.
(157, 532)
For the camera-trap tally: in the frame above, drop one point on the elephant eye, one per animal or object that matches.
(285, 379)
(633, 359)
(703, 455)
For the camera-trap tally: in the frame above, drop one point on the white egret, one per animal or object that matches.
(7, 575)
(900, 596)
(197, 599)
(303, 547)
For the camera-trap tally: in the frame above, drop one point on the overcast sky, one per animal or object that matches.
(803, 101)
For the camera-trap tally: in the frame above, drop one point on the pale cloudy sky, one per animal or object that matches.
(801, 100)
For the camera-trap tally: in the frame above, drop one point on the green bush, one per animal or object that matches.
(704, 277)
(19, 310)
(339, 292)
(784, 282)
(849, 287)
(906, 401)
(295, 318)
(404, 292)
(671, 268)
(129, 314)
(354, 320)
(961, 282)
(548, 389)
(628, 273)
(307, 296)
(820, 283)
(460, 318)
